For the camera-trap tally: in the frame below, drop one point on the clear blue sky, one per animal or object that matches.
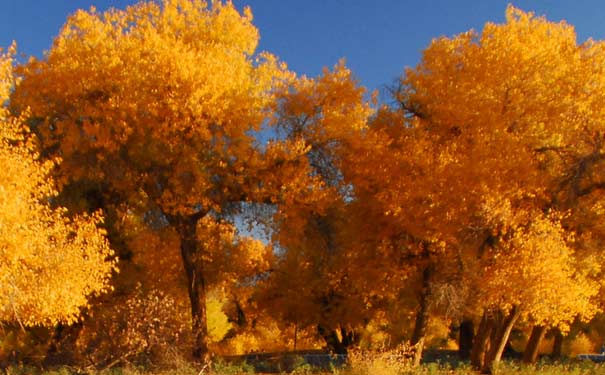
(378, 38)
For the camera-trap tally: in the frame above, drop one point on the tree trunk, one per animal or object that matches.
(422, 316)
(52, 353)
(295, 336)
(481, 343)
(465, 339)
(530, 355)
(196, 287)
(501, 338)
(557, 347)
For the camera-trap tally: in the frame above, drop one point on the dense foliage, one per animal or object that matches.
(50, 263)
(243, 203)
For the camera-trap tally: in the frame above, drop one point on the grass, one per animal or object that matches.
(378, 362)
(369, 366)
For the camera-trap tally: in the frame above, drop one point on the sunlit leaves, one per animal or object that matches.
(159, 96)
(50, 264)
(514, 107)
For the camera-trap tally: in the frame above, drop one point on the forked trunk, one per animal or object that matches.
(422, 316)
(503, 333)
(481, 343)
(530, 355)
(195, 286)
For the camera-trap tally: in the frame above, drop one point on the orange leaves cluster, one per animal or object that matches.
(229, 258)
(324, 107)
(326, 117)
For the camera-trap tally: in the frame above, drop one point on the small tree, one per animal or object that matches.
(50, 264)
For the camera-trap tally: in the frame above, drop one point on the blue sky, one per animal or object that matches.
(377, 38)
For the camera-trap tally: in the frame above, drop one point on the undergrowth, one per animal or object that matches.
(360, 364)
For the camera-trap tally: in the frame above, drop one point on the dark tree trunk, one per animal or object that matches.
(465, 339)
(481, 342)
(530, 355)
(422, 316)
(557, 347)
(196, 287)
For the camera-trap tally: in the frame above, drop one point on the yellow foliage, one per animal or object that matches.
(218, 322)
(437, 334)
(50, 264)
(265, 336)
(376, 334)
(160, 96)
(534, 268)
(382, 362)
(489, 171)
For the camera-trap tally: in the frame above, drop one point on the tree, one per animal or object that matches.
(51, 264)
(157, 105)
(492, 137)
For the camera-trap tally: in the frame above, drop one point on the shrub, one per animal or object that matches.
(143, 329)
(381, 362)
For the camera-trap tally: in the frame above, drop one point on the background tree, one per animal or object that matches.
(313, 285)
